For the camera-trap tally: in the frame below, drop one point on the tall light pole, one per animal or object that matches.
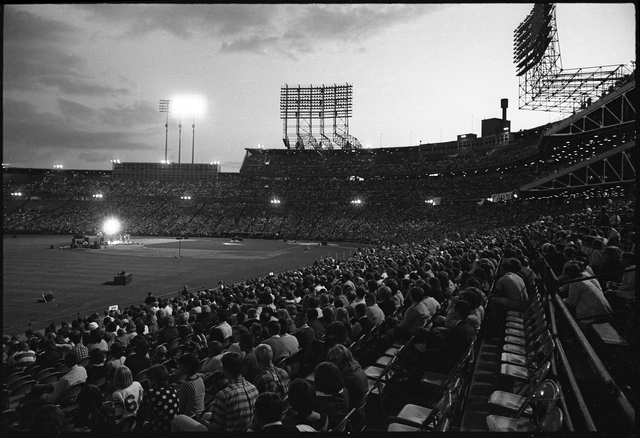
(188, 106)
(179, 138)
(165, 107)
(193, 140)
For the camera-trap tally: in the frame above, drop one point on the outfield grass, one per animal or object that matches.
(81, 279)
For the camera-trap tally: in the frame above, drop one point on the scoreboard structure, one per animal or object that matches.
(317, 117)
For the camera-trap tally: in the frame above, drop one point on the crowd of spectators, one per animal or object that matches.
(212, 359)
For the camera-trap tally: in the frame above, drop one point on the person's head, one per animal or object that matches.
(71, 359)
(48, 419)
(264, 355)
(572, 270)
(90, 398)
(231, 365)
(472, 298)
(370, 299)
(142, 347)
(342, 315)
(161, 351)
(75, 337)
(268, 408)
(96, 356)
(116, 350)
(188, 364)
(246, 341)
(328, 379)
(273, 327)
(302, 396)
(341, 356)
(384, 293)
(328, 315)
(628, 259)
(462, 309)
(122, 377)
(312, 314)
(361, 310)
(158, 375)
(416, 294)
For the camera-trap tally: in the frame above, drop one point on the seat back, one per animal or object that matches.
(127, 424)
(545, 398)
(50, 379)
(552, 421)
(70, 394)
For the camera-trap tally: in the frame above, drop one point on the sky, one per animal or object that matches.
(82, 82)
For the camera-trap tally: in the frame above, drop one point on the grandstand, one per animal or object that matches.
(541, 369)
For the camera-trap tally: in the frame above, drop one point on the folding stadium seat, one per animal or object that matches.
(522, 323)
(414, 418)
(528, 337)
(530, 348)
(543, 401)
(529, 360)
(343, 425)
(9, 379)
(521, 317)
(50, 378)
(514, 402)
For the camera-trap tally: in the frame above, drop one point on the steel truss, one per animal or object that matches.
(547, 86)
(611, 168)
(310, 108)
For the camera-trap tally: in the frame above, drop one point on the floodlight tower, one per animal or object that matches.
(188, 105)
(165, 107)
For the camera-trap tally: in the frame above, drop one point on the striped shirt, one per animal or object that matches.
(191, 397)
(233, 407)
(24, 358)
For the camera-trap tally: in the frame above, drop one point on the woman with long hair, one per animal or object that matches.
(127, 393)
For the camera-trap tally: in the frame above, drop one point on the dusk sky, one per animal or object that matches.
(82, 82)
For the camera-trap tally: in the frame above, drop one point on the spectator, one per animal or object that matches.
(250, 367)
(302, 398)
(387, 305)
(314, 323)
(271, 378)
(585, 298)
(268, 416)
(117, 358)
(305, 334)
(160, 355)
(191, 389)
(415, 317)
(74, 376)
(139, 361)
(355, 380)
(97, 368)
(362, 324)
(78, 348)
(160, 405)
(627, 288)
(332, 398)
(233, 407)
(127, 394)
(373, 311)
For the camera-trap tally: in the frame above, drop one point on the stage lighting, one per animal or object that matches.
(111, 226)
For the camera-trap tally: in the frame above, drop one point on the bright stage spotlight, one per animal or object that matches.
(111, 226)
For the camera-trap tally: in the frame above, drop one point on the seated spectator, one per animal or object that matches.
(160, 355)
(90, 415)
(169, 331)
(336, 334)
(270, 378)
(452, 346)
(268, 416)
(386, 304)
(97, 367)
(625, 290)
(96, 341)
(315, 323)
(191, 389)
(332, 398)
(373, 311)
(342, 315)
(160, 405)
(355, 380)
(139, 361)
(510, 291)
(282, 346)
(117, 358)
(183, 326)
(415, 317)
(49, 419)
(50, 356)
(78, 348)
(302, 396)
(23, 357)
(362, 324)
(74, 376)
(212, 363)
(587, 300)
(127, 394)
(305, 334)
(250, 367)
(233, 407)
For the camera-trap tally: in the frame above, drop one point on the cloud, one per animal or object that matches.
(140, 113)
(31, 136)
(39, 55)
(288, 29)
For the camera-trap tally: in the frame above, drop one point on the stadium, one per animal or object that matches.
(184, 257)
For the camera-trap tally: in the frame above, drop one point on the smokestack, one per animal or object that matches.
(504, 104)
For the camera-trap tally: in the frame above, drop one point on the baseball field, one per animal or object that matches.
(82, 280)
